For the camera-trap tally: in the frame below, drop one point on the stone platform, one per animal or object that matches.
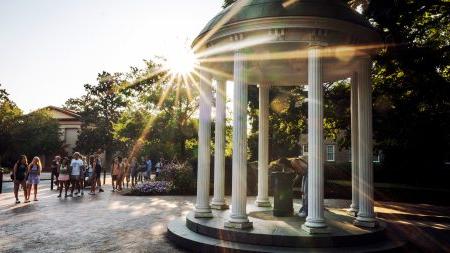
(277, 234)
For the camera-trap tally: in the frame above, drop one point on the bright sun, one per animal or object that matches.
(180, 60)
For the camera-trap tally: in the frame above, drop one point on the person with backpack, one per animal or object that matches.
(19, 177)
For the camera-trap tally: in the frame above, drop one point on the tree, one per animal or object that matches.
(160, 123)
(35, 134)
(9, 114)
(99, 109)
(412, 84)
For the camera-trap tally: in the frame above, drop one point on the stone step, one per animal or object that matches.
(187, 239)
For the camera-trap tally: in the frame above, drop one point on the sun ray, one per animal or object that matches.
(187, 87)
(178, 86)
(216, 72)
(143, 78)
(166, 91)
(296, 54)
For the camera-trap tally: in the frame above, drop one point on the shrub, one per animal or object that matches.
(152, 188)
(181, 175)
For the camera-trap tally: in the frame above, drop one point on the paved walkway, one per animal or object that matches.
(107, 222)
(114, 223)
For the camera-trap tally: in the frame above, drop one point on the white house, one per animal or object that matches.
(69, 126)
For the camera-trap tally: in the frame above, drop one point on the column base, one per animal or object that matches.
(263, 203)
(352, 211)
(219, 206)
(366, 224)
(239, 225)
(203, 213)
(311, 230)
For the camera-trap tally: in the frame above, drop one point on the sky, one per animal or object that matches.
(50, 48)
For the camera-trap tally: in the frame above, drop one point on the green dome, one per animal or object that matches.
(256, 9)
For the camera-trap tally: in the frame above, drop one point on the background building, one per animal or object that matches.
(69, 126)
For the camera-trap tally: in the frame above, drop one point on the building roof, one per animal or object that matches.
(64, 111)
(257, 9)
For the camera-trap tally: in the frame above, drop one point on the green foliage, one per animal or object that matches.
(167, 126)
(37, 133)
(412, 83)
(181, 175)
(32, 134)
(99, 109)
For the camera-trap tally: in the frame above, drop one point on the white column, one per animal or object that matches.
(263, 147)
(218, 201)
(202, 208)
(366, 214)
(315, 221)
(238, 216)
(354, 145)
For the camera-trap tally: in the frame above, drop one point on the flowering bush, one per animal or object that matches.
(182, 176)
(153, 187)
(175, 178)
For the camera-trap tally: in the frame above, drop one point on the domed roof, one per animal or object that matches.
(256, 9)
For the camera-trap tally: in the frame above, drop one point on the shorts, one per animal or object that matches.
(33, 179)
(64, 178)
(75, 177)
(98, 174)
(19, 182)
(115, 177)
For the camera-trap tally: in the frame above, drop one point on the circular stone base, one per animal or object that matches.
(278, 234)
(286, 231)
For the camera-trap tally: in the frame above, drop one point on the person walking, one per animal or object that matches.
(64, 177)
(134, 167)
(34, 173)
(76, 167)
(115, 172)
(19, 177)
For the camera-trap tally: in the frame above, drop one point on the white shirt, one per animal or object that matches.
(76, 166)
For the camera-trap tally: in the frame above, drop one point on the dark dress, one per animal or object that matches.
(21, 172)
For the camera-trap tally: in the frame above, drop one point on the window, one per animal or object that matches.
(376, 158)
(330, 153)
(305, 149)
